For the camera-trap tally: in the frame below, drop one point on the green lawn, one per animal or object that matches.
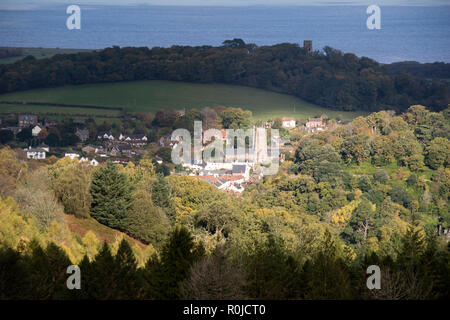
(150, 96)
(40, 53)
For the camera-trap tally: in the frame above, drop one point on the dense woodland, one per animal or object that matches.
(329, 78)
(373, 191)
(435, 70)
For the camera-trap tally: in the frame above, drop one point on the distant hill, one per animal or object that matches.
(330, 79)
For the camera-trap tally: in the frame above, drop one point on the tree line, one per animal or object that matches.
(328, 78)
(435, 70)
(183, 270)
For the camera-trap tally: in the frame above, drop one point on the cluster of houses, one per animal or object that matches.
(119, 145)
(31, 120)
(40, 153)
(82, 134)
(233, 176)
(311, 126)
(109, 145)
(229, 176)
(24, 121)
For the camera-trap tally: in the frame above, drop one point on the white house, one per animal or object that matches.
(35, 131)
(72, 155)
(288, 123)
(218, 166)
(137, 139)
(105, 135)
(314, 124)
(35, 153)
(92, 162)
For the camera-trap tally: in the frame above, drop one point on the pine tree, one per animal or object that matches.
(111, 196)
(102, 276)
(272, 272)
(47, 271)
(128, 281)
(413, 264)
(161, 192)
(13, 275)
(86, 281)
(165, 275)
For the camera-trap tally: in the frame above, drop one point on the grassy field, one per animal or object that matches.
(151, 96)
(56, 110)
(39, 53)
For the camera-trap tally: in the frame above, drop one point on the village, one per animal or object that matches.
(93, 148)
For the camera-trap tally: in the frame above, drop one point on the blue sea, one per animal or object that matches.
(407, 33)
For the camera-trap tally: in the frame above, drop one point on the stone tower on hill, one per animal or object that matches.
(307, 45)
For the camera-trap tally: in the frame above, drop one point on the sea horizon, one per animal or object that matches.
(408, 33)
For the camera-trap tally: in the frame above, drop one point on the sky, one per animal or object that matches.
(29, 4)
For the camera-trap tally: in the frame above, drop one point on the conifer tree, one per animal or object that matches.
(111, 196)
(271, 271)
(128, 281)
(161, 192)
(102, 276)
(177, 256)
(86, 281)
(327, 277)
(13, 275)
(47, 271)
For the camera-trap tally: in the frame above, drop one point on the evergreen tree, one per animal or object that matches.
(102, 280)
(86, 280)
(414, 261)
(47, 272)
(111, 196)
(13, 275)
(161, 192)
(165, 275)
(327, 276)
(128, 282)
(271, 272)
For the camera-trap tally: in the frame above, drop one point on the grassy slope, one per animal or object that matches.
(103, 233)
(40, 53)
(150, 96)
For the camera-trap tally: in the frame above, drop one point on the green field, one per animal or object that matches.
(56, 110)
(151, 96)
(40, 53)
